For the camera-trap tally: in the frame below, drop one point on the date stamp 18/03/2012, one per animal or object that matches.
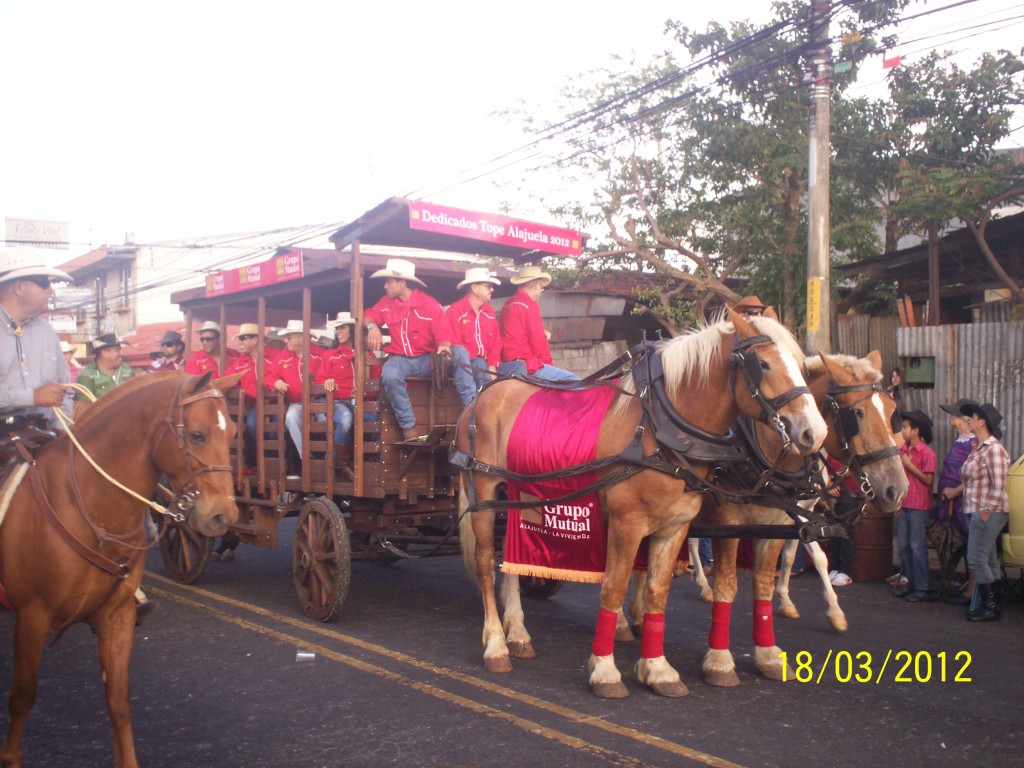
(864, 667)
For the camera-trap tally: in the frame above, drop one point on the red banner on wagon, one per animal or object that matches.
(278, 269)
(491, 227)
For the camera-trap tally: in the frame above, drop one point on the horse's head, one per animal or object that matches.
(864, 425)
(197, 460)
(769, 384)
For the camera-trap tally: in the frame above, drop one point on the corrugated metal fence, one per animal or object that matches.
(983, 361)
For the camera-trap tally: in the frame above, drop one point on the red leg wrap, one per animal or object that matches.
(764, 633)
(720, 616)
(652, 643)
(604, 635)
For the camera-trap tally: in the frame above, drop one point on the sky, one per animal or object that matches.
(201, 117)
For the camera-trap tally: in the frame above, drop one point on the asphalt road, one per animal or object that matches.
(221, 677)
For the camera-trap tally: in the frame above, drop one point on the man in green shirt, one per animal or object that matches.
(106, 370)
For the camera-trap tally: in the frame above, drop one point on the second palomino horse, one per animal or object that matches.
(701, 382)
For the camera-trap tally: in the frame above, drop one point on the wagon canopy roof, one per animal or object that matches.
(408, 223)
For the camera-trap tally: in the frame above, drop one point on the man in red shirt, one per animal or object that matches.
(524, 342)
(287, 378)
(475, 327)
(248, 343)
(172, 353)
(912, 520)
(208, 357)
(419, 328)
(337, 374)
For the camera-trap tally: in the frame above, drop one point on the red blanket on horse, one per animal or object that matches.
(554, 430)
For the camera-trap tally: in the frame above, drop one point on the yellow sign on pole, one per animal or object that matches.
(814, 304)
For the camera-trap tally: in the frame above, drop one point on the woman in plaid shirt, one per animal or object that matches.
(986, 504)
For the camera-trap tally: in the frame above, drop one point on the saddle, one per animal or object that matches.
(30, 432)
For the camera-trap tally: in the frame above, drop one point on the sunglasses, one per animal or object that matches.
(41, 280)
(246, 337)
(205, 339)
(169, 344)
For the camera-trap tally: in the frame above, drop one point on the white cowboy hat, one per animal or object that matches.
(65, 347)
(294, 326)
(209, 325)
(530, 272)
(401, 269)
(479, 275)
(343, 318)
(24, 261)
(248, 329)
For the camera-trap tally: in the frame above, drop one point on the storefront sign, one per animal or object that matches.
(280, 268)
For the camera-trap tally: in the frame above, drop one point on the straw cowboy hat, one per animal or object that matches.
(480, 275)
(209, 325)
(247, 329)
(343, 318)
(294, 326)
(65, 347)
(530, 272)
(400, 269)
(24, 261)
(920, 420)
(105, 341)
(987, 413)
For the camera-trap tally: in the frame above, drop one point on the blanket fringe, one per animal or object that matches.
(558, 574)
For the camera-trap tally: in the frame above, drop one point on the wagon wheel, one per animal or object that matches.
(321, 559)
(537, 587)
(185, 551)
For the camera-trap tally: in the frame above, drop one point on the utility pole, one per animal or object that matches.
(819, 301)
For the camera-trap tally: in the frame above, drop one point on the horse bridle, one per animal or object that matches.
(744, 359)
(844, 418)
(184, 497)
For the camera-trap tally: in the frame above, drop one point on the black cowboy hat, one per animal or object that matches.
(988, 413)
(921, 421)
(104, 341)
(172, 337)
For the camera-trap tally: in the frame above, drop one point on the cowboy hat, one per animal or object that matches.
(530, 272)
(248, 329)
(921, 421)
(953, 409)
(343, 318)
(294, 326)
(987, 413)
(23, 261)
(105, 341)
(322, 337)
(480, 275)
(172, 337)
(65, 347)
(400, 269)
(209, 325)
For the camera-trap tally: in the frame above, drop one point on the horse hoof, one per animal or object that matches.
(610, 690)
(521, 650)
(498, 664)
(789, 612)
(839, 625)
(722, 678)
(776, 672)
(672, 690)
(707, 597)
(623, 635)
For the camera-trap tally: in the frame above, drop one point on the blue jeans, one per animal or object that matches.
(293, 422)
(343, 419)
(704, 550)
(546, 372)
(466, 380)
(911, 537)
(982, 558)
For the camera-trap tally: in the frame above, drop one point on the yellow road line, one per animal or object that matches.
(570, 714)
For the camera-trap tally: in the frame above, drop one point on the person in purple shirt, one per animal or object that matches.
(949, 481)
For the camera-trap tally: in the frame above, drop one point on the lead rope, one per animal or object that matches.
(67, 423)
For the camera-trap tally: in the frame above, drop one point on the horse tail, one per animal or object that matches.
(467, 539)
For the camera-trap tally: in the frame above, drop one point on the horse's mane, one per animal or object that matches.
(859, 367)
(691, 354)
(115, 397)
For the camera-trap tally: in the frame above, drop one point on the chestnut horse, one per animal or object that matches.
(860, 416)
(72, 543)
(702, 386)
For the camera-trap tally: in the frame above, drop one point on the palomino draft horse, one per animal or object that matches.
(72, 543)
(709, 376)
(860, 417)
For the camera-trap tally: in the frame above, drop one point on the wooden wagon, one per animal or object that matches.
(402, 502)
